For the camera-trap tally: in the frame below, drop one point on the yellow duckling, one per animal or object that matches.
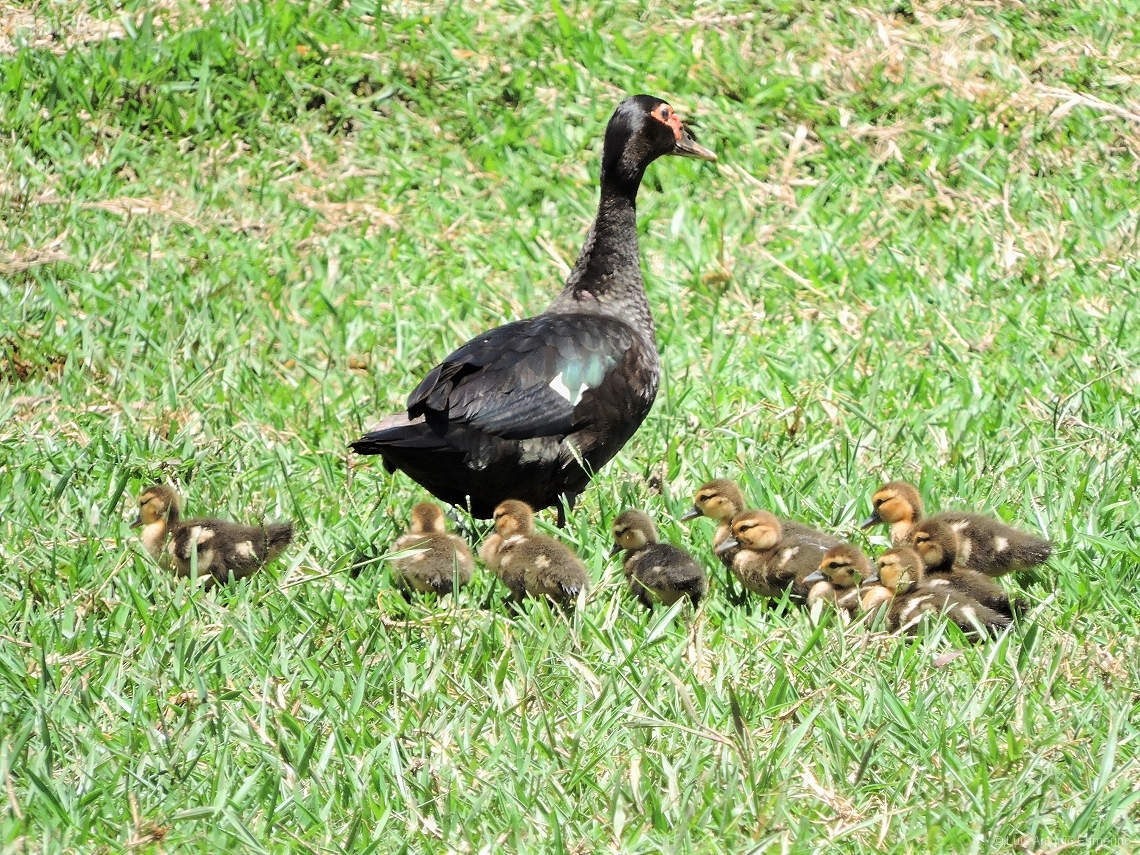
(839, 577)
(772, 558)
(720, 500)
(985, 545)
(532, 564)
(900, 572)
(656, 572)
(443, 559)
(224, 550)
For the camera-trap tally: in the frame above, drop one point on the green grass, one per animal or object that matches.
(230, 238)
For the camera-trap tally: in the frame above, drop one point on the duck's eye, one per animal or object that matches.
(663, 112)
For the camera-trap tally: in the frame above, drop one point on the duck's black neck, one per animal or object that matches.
(606, 278)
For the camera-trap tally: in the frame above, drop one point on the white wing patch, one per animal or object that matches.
(1001, 544)
(245, 549)
(559, 386)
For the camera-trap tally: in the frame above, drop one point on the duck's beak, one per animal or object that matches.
(731, 543)
(687, 146)
(874, 519)
(873, 579)
(691, 514)
(138, 522)
(615, 550)
(817, 576)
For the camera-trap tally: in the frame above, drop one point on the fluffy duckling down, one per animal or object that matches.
(224, 551)
(442, 560)
(772, 559)
(900, 573)
(986, 545)
(532, 564)
(839, 577)
(720, 500)
(936, 543)
(656, 572)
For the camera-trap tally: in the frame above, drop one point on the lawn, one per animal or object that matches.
(232, 235)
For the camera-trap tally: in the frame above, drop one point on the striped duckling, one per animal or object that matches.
(900, 572)
(656, 572)
(840, 577)
(985, 544)
(773, 557)
(532, 564)
(223, 551)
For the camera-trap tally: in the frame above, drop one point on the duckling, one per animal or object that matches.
(656, 571)
(771, 557)
(936, 543)
(225, 550)
(532, 564)
(986, 545)
(721, 500)
(443, 559)
(841, 572)
(900, 571)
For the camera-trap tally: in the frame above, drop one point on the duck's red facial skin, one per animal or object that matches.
(665, 115)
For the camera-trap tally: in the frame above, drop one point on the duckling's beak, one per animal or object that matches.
(873, 579)
(615, 549)
(817, 576)
(687, 146)
(138, 522)
(731, 543)
(874, 519)
(691, 514)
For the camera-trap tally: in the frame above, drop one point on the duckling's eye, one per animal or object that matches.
(664, 112)
(878, 502)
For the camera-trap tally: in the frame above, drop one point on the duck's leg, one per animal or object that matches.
(565, 506)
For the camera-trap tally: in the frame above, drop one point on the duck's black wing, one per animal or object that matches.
(525, 379)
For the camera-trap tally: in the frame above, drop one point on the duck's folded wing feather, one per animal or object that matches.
(524, 379)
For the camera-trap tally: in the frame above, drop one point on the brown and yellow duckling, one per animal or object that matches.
(532, 564)
(442, 560)
(772, 557)
(937, 543)
(840, 577)
(224, 550)
(719, 500)
(985, 544)
(900, 572)
(656, 572)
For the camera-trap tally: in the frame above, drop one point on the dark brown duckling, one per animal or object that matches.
(841, 573)
(773, 559)
(443, 560)
(985, 545)
(530, 563)
(225, 550)
(936, 543)
(657, 572)
(900, 571)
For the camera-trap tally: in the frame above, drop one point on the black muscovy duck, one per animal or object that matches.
(532, 409)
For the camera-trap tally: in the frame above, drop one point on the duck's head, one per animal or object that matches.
(719, 499)
(756, 530)
(642, 129)
(936, 544)
(513, 517)
(895, 502)
(157, 503)
(427, 518)
(844, 566)
(899, 570)
(633, 530)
